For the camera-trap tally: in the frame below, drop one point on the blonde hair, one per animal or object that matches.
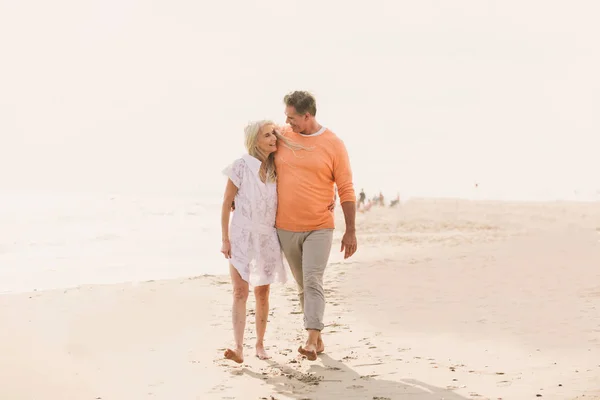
(251, 131)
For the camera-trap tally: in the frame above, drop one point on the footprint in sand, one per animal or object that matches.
(367, 377)
(355, 387)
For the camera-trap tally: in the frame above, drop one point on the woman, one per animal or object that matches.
(251, 244)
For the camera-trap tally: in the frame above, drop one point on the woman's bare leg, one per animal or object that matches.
(262, 315)
(238, 314)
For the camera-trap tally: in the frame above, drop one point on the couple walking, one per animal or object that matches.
(283, 190)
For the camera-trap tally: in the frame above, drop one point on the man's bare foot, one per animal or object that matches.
(235, 355)
(261, 353)
(309, 351)
(320, 346)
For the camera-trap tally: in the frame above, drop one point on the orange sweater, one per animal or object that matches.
(305, 181)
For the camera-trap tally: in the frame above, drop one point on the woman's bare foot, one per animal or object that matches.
(235, 355)
(261, 353)
(309, 351)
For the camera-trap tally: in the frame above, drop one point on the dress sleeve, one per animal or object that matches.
(235, 172)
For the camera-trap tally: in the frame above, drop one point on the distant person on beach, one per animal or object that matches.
(395, 202)
(361, 197)
(251, 244)
(304, 219)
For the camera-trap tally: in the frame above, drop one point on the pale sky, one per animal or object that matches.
(429, 96)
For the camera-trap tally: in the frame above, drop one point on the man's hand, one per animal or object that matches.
(349, 244)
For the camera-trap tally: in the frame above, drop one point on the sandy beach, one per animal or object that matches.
(445, 299)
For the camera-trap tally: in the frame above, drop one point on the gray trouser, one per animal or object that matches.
(307, 253)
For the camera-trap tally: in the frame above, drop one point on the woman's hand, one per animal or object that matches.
(331, 206)
(226, 249)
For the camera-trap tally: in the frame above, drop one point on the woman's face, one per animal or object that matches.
(266, 141)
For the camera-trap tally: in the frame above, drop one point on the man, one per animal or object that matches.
(362, 197)
(304, 222)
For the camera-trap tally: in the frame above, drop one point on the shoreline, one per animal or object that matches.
(454, 208)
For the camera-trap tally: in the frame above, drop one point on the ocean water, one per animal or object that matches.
(63, 239)
(50, 240)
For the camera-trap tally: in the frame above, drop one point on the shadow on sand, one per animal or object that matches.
(335, 380)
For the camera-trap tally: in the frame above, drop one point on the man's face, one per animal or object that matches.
(297, 121)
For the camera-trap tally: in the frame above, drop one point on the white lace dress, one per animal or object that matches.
(255, 249)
